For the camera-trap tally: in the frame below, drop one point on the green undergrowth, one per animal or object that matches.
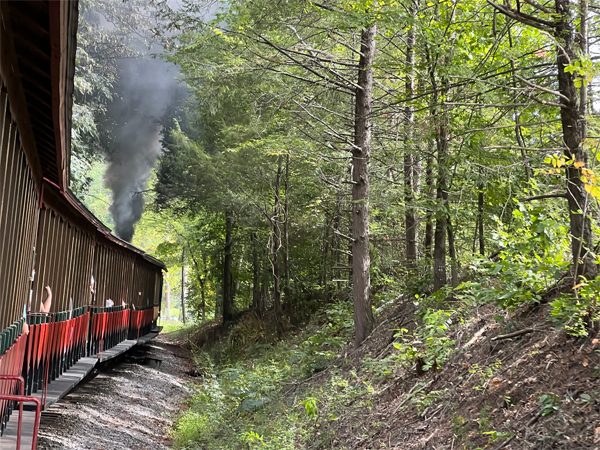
(175, 329)
(259, 392)
(301, 392)
(252, 396)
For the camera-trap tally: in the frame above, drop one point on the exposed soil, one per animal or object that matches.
(129, 405)
(487, 393)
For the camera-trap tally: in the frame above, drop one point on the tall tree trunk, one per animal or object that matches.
(227, 276)
(276, 248)
(361, 153)
(202, 287)
(203, 299)
(583, 45)
(440, 122)
(573, 127)
(428, 243)
(183, 281)
(480, 217)
(441, 220)
(255, 275)
(333, 244)
(452, 250)
(409, 157)
(218, 294)
(168, 300)
(286, 228)
(201, 277)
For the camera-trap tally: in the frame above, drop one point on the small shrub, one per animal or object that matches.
(428, 346)
(577, 312)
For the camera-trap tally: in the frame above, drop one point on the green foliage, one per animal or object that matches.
(175, 329)
(429, 345)
(533, 257)
(423, 400)
(550, 403)
(578, 311)
(246, 398)
(311, 407)
(584, 69)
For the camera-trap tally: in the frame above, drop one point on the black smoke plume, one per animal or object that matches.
(145, 91)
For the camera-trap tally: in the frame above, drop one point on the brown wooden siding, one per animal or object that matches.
(18, 219)
(64, 262)
(113, 269)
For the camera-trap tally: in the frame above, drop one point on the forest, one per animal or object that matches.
(346, 193)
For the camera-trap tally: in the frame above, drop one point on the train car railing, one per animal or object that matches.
(108, 327)
(12, 351)
(55, 343)
(20, 399)
(141, 322)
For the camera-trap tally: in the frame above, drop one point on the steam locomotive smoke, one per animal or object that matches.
(128, 173)
(145, 89)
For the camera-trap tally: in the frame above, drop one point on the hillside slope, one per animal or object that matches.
(483, 389)
(539, 389)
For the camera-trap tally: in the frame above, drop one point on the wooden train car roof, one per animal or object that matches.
(39, 41)
(43, 35)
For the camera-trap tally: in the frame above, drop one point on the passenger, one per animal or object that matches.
(109, 303)
(92, 291)
(123, 304)
(25, 328)
(45, 306)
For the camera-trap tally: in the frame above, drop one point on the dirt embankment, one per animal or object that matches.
(130, 405)
(538, 390)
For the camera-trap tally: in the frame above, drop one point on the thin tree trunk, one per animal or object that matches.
(409, 157)
(276, 248)
(361, 153)
(440, 121)
(480, 217)
(583, 45)
(441, 221)
(203, 300)
(325, 260)
(255, 275)
(200, 277)
(227, 276)
(286, 228)
(573, 127)
(218, 294)
(205, 278)
(183, 280)
(429, 191)
(334, 243)
(168, 300)
(452, 250)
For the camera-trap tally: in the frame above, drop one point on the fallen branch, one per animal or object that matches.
(528, 424)
(514, 334)
(409, 395)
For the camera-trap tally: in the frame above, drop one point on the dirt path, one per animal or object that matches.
(131, 405)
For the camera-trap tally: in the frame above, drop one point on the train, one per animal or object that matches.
(104, 290)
